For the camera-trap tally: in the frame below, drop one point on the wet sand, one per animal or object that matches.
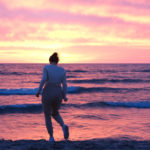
(93, 144)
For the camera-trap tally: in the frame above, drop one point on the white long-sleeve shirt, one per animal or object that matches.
(55, 75)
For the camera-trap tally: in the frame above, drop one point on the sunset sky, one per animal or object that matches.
(81, 31)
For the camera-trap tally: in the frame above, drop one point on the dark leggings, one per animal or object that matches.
(51, 102)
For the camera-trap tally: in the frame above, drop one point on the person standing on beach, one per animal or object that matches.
(55, 89)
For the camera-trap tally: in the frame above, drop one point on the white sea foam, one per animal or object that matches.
(30, 91)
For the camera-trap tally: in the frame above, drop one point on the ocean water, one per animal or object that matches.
(104, 101)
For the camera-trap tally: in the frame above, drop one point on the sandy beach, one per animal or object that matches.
(93, 144)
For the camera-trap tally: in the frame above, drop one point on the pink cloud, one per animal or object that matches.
(62, 11)
(51, 16)
(23, 23)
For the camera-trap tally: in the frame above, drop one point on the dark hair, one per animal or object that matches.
(54, 58)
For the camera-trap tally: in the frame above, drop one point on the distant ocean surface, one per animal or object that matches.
(104, 101)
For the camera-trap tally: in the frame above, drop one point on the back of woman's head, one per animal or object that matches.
(54, 58)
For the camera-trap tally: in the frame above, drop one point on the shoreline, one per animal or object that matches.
(93, 144)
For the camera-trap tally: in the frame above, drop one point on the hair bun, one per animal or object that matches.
(55, 54)
(54, 57)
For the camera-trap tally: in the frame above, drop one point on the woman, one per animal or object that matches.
(55, 89)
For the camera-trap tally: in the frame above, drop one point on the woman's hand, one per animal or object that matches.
(37, 94)
(65, 99)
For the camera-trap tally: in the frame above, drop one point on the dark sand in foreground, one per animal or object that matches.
(93, 144)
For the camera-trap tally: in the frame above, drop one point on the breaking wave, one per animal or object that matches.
(71, 90)
(37, 108)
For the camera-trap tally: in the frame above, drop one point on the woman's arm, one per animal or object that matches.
(43, 80)
(64, 87)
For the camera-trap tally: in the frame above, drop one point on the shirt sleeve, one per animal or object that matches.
(44, 79)
(64, 85)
